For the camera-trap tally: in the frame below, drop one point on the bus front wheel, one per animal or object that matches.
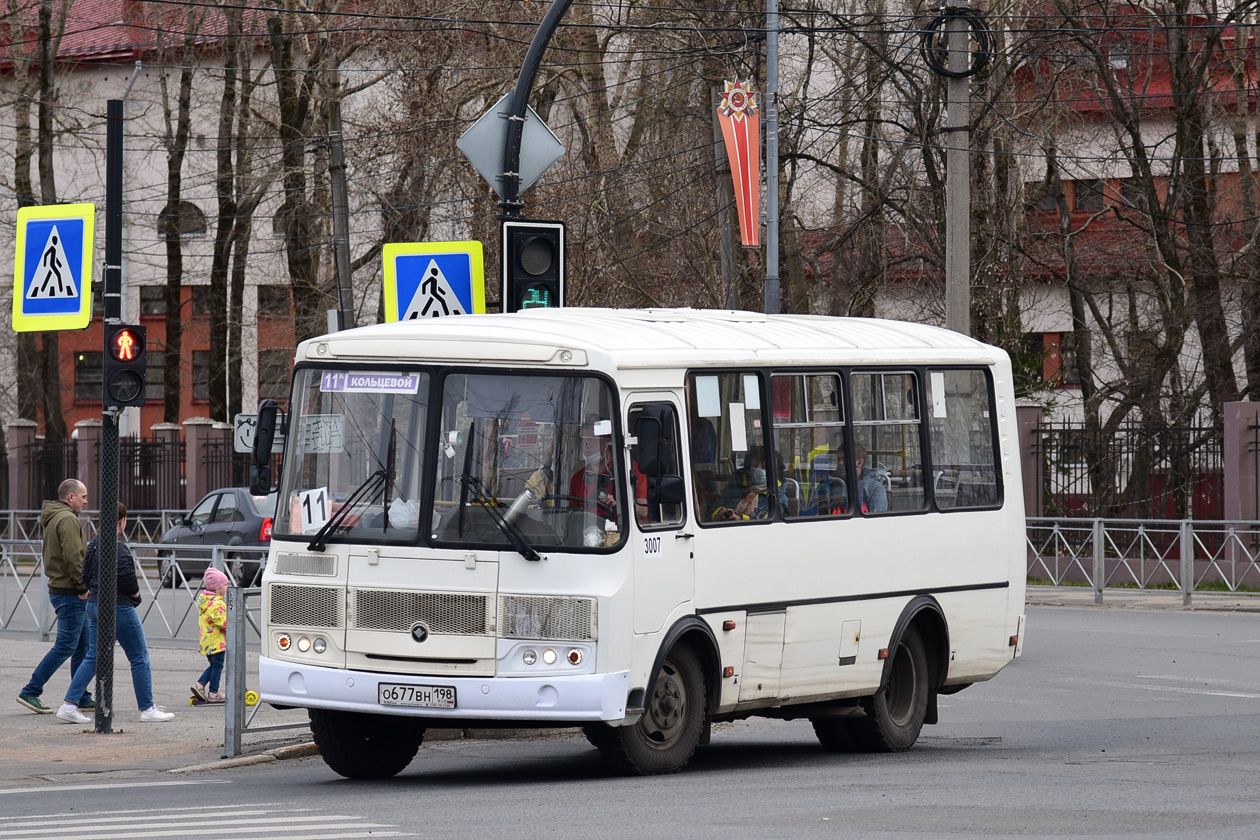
(360, 746)
(667, 735)
(894, 716)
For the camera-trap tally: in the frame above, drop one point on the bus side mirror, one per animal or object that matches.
(654, 423)
(260, 479)
(665, 490)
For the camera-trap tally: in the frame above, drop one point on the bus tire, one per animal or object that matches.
(667, 735)
(360, 746)
(601, 736)
(895, 714)
(834, 734)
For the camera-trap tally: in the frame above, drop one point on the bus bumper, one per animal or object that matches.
(559, 699)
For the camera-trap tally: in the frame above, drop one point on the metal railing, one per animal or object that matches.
(240, 712)
(1181, 554)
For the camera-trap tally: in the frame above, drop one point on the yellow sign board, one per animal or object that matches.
(52, 267)
(433, 279)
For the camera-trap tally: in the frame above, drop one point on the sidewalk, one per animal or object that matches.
(37, 748)
(41, 747)
(1141, 599)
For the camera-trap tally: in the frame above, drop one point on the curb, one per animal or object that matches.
(278, 754)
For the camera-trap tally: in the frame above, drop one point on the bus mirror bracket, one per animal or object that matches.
(260, 478)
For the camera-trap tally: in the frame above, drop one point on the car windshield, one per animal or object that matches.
(354, 455)
(536, 453)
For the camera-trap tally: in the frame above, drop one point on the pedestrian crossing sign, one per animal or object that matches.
(52, 268)
(433, 279)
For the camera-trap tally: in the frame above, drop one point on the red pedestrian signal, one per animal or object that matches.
(126, 345)
(125, 360)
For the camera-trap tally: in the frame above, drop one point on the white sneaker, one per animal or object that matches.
(71, 714)
(155, 714)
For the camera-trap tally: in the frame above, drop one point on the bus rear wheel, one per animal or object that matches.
(894, 716)
(667, 735)
(360, 746)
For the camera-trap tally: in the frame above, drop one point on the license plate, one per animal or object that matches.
(424, 696)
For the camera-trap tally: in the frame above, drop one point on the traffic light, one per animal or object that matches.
(533, 264)
(125, 347)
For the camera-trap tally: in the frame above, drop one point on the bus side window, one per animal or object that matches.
(809, 441)
(653, 514)
(964, 466)
(730, 462)
(887, 442)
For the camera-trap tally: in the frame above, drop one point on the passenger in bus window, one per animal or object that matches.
(592, 483)
(872, 495)
(748, 492)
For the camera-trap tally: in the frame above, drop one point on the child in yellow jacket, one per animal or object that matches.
(212, 622)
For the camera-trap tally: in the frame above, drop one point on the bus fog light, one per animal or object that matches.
(283, 641)
(303, 644)
(529, 657)
(574, 656)
(549, 656)
(319, 646)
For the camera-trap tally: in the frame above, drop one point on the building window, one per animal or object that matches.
(201, 375)
(1057, 352)
(153, 300)
(1042, 198)
(185, 220)
(1088, 195)
(87, 376)
(1069, 369)
(202, 301)
(273, 374)
(154, 375)
(275, 301)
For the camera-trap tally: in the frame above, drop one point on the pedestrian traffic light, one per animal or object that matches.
(533, 264)
(124, 365)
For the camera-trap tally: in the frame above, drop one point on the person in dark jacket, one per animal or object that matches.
(129, 628)
(64, 545)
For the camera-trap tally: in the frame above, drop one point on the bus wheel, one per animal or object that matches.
(360, 746)
(894, 716)
(834, 734)
(668, 733)
(601, 736)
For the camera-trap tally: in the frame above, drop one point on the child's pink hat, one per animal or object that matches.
(214, 579)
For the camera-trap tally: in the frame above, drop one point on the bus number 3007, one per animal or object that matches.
(651, 545)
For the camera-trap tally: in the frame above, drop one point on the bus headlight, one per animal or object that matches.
(319, 646)
(549, 656)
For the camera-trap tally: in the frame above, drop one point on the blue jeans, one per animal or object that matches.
(72, 643)
(210, 677)
(130, 634)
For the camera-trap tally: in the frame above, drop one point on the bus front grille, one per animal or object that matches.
(305, 606)
(444, 613)
(546, 617)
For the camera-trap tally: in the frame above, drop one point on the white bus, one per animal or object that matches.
(639, 522)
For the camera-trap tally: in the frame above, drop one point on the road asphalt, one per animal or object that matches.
(38, 748)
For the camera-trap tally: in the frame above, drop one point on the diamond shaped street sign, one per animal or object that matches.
(483, 145)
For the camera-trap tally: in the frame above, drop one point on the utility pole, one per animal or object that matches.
(958, 177)
(107, 540)
(341, 210)
(772, 157)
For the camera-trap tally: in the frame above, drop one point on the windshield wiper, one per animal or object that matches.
(463, 478)
(513, 534)
(390, 475)
(364, 492)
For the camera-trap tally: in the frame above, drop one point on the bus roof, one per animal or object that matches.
(650, 338)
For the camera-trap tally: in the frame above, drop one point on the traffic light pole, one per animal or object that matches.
(510, 203)
(107, 546)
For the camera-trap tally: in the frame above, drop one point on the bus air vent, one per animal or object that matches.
(305, 606)
(444, 613)
(323, 565)
(547, 618)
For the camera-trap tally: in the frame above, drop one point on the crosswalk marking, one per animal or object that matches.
(108, 786)
(243, 822)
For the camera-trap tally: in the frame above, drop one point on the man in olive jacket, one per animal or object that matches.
(64, 545)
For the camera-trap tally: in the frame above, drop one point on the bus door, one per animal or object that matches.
(664, 565)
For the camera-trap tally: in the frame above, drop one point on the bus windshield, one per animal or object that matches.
(528, 456)
(354, 459)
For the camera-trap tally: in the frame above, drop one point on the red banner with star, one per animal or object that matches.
(741, 128)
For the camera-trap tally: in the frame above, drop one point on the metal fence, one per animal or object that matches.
(151, 474)
(48, 464)
(1185, 555)
(1135, 472)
